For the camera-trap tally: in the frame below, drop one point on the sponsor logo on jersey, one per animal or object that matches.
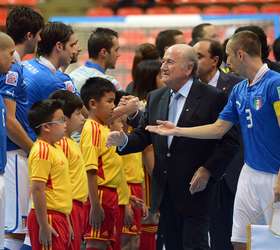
(238, 104)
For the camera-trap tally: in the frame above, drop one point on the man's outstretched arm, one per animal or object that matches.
(215, 130)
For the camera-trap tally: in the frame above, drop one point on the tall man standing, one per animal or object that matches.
(180, 188)
(103, 52)
(24, 26)
(204, 31)
(210, 56)
(56, 48)
(7, 48)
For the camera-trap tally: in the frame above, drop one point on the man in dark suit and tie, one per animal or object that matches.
(210, 54)
(180, 187)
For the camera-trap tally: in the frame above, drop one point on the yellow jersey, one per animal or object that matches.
(77, 171)
(48, 164)
(133, 168)
(99, 157)
(123, 190)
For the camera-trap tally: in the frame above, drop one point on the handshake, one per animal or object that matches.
(128, 105)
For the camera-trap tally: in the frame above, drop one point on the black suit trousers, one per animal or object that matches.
(182, 232)
(221, 216)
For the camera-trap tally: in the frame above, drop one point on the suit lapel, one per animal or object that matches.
(163, 113)
(163, 105)
(222, 83)
(189, 108)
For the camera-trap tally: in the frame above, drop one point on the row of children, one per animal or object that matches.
(84, 190)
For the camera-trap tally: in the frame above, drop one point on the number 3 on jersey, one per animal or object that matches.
(249, 118)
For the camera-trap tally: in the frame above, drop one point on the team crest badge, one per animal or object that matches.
(12, 78)
(69, 86)
(258, 102)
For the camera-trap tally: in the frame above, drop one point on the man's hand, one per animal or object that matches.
(128, 216)
(163, 128)
(125, 99)
(136, 202)
(199, 180)
(96, 216)
(127, 106)
(116, 138)
(45, 236)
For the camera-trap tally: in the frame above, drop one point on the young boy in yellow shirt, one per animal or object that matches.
(132, 168)
(48, 221)
(102, 163)
(72, 109)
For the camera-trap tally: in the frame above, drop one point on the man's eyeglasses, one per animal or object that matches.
(61, 120)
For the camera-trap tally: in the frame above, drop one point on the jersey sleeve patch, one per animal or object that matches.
(12, 78)
(276, 106)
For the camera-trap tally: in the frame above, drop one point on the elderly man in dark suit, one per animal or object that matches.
(210, 55)
(180, 187)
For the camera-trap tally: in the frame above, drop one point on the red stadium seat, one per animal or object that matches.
(205, 1)
(225, 1)
(187, 10)
(178, 2)
(270, 8)
(250, 1)
(245, 9)
(125, 11)
(158, 10)
(216, 10)
(132, 37)
(200, 1)
(19, 2)
(3, 16)
(164, 1)
(100, 11)
(4, 2)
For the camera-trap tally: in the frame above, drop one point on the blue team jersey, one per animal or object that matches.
(252, 107)
(40, 83)
(3, 135)
(13, 87)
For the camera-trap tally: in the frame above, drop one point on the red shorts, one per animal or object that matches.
(119, 224)
(109, 201)
(136, 190)
(77, 217)
(58, 222)
(148, 237)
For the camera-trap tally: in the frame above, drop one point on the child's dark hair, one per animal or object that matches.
(42, 112)
(71, 102)
(95, 88)
(119, 95)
